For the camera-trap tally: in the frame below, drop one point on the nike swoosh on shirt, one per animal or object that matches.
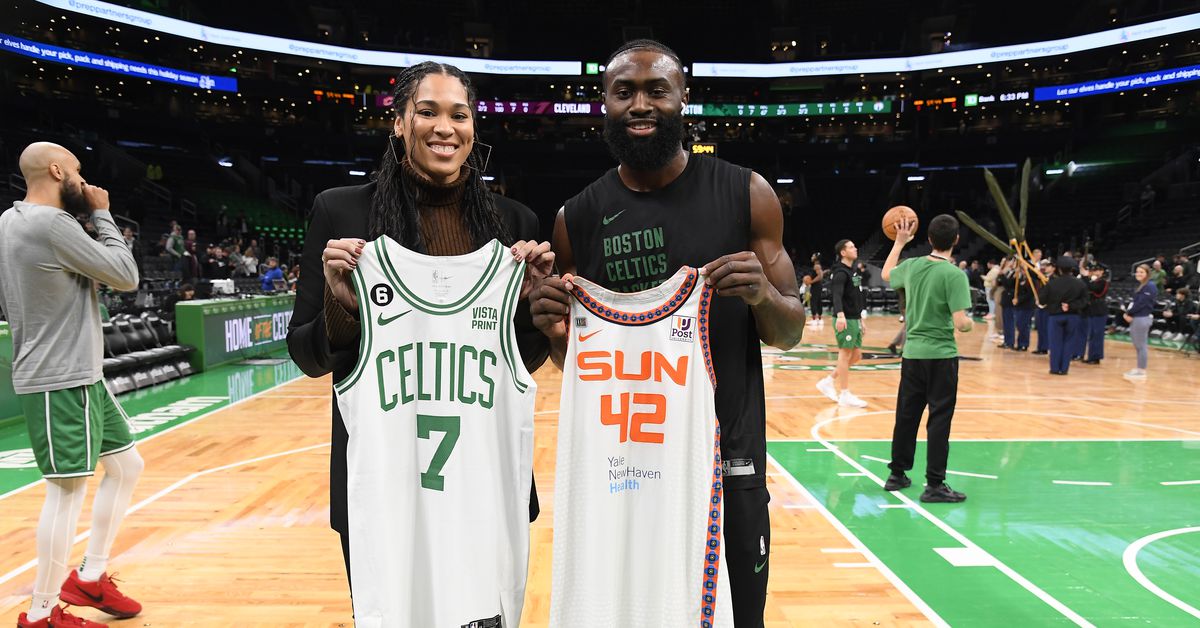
(608, 219)
(759, 566)
(384, 321)
(583, 337)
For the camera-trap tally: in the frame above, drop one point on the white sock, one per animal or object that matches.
(55, 536)
(121, 473)
(42, 606)
(92, 567)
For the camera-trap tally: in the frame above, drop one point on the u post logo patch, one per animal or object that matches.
(683, 328)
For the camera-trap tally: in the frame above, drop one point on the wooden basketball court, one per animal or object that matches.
(229, 523)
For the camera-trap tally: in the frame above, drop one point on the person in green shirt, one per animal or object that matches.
(937, 299)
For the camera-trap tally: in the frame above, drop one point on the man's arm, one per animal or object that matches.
(960, 302)
(550, 300)
(763, 277)
(108, 260)
(837, 290)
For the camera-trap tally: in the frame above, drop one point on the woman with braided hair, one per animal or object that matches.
(428, 196)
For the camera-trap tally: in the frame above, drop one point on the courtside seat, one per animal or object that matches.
(162, 336)
(116, 350)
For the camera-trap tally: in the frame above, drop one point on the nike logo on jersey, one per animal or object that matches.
(759, 566)
(608, 219)
(384, 321)
(584, 337)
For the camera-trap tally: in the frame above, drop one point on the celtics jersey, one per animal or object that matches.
(638, 481)
(439, 412)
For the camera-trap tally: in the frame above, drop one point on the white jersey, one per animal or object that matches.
(439, 411)
(637, 499)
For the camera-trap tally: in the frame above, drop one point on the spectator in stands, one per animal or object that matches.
(1096, 316)
(1189, 269)
(1158, 276)
(1180, 315)
(1140, 316)
(129, 238)
(293, 278)
(249, 264)
(273, 274)
(191, 261)
(989, 287)
(217, 264)
(235, 260)
(1177, 280)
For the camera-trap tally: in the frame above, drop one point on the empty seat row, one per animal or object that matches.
(139, 351)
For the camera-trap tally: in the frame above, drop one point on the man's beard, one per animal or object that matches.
(73, 199)
(645, 153)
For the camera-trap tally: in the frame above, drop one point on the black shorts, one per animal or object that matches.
(747, 552)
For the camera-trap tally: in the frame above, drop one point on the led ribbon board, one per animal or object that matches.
(540, 108)
(1104, 86)
(298, 48)
(136, 69)
(1018, 52)
(780, 110)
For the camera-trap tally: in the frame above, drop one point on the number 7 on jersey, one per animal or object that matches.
(427, 423)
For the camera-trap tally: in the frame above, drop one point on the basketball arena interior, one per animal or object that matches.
(1061, 138)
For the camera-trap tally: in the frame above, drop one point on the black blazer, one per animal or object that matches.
(342, 213)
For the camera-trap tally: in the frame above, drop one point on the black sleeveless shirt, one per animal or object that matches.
(629, 241)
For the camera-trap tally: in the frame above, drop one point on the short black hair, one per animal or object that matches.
(943, 231)
(841, 244)
(645, 44)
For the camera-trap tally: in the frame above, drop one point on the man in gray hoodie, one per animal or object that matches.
(49, 270)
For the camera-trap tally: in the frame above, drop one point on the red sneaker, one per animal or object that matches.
(58, 618)
(102, 594)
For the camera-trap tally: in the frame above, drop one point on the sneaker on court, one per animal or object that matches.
(942, 493)
(848, 399)
(1135, 375)
(897, 482)
(101, 594)
(58, 618)
(826, 388)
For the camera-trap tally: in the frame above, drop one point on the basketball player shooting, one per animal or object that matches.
(49, 268)
(659, 210)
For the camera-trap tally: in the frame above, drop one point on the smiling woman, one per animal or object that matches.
(430, 197)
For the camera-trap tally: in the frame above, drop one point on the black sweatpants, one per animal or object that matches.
(747, 541)
(932, 383)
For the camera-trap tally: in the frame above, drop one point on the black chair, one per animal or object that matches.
(116, 350)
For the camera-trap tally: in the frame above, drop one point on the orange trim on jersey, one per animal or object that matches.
(712, 547)
(621, 317)
(705, 305)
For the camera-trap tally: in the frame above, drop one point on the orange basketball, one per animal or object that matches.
(893, 218)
